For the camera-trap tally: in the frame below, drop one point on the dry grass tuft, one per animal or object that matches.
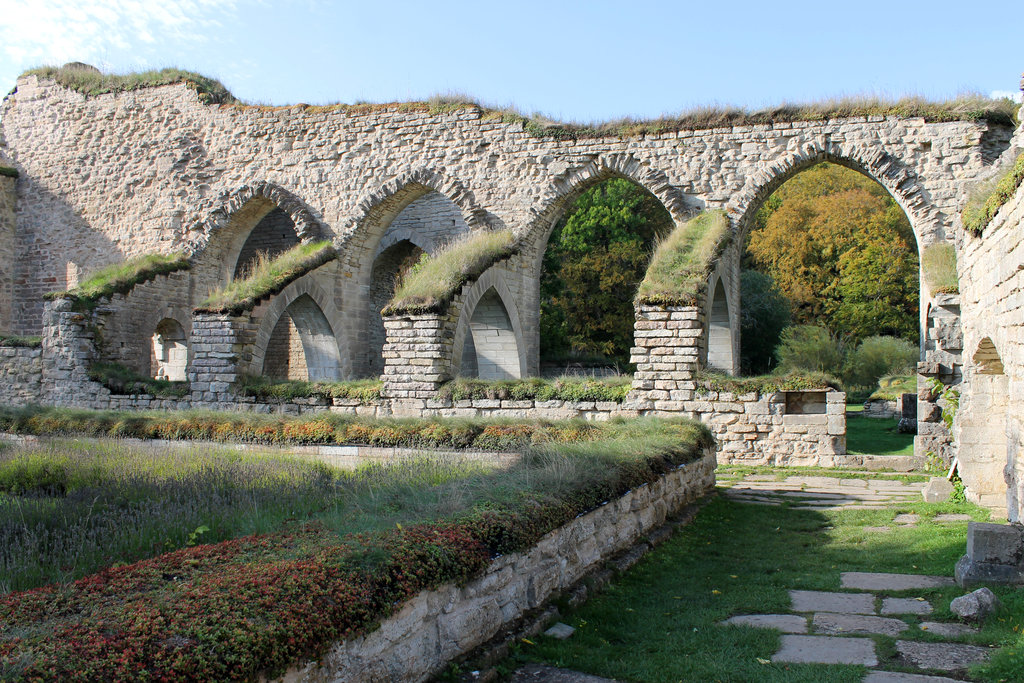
(91, 82)
(938, 262)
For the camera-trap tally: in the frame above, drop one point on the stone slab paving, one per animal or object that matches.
(826, 650)
(787, 623)
(941, 656)
(947, 630)
(905, 606)
(538, 673)
(824, 601)
(818, 492)
(857, 624)
(900, 677)
(880, 581)
(952, 518)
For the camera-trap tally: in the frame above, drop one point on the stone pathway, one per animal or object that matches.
(827, 493)
(832, 628)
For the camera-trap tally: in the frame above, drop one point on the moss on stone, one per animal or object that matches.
(91, 82)
(433, 282)
(683, 261)
(9, 172)
(121, 278)
(14, 340)
(267, 277)
(988, 199)
(938, 262)
(609, 389)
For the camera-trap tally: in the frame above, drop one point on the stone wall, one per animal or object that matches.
(437, 626)
(275, 233)
(8, 249)
(20, 376)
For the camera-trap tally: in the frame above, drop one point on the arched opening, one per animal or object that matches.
(170, 351)
(274, 234)
(490, 349)
(986, 466)
(592, 262)
(302, 345)
(720, 342)
(388, 269)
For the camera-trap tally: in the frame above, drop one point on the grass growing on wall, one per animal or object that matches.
(797, 380)
(432, 283)
(267, 277)
(989, 198)
(683, 261)
(121, 278)
(362, 544)
(9, 172)
(939, 265)
(364, 390)
(606, 389)
(120, 379)
(90, 81)
(23, 341)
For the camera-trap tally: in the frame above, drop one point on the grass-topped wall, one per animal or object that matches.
(267, 277)
(121, 278)
(433, 282)
(91, 82)
(683, 261)
(797, 380)
(938, 263)
(986, 201)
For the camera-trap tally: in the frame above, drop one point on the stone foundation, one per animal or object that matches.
(437, 626)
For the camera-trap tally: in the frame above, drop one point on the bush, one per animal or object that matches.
(810, 348)
(14, 340)
(765, 313)
(891, 387)
(683, 261)
(878, 356)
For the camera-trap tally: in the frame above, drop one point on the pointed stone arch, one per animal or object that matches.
(720, 342)
(489, 327)
(986, 359)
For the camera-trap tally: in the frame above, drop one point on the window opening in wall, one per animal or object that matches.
(594, 260)
(987, 359)
(170, 351)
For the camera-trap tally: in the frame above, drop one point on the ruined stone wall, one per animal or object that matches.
(429, 222)
(8, 249)
(436, 626)
(990, 420)
(20, 375)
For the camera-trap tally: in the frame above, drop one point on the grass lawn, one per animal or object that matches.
(659, 621)
(876, 436)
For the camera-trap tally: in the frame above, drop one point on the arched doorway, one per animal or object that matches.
(490, 349)
(302, 345)
(720, 337)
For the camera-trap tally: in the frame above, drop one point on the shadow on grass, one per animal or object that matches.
(876, 436)
(659, 621)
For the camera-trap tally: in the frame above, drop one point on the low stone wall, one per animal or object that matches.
(437, 626)
(20, 375)
(881, 408)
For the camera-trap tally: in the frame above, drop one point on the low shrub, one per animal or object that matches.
(986, 201)
(91, 82)
(682, 261)
(891, 387)
(938, 263)
(121, 379)
(432, 283)
(24, 341)
(121, 278)
(608, 389)
(878, 356)
(795, 380)
(810, 348)
(363, 390)
(267, 277)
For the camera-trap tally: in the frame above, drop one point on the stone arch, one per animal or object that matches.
(169, 357)
(720, 343)
(230, 226)
(387, 266)
(985, 452)
(477, 320)
(274, 234)
(986, 359)
(315, 320)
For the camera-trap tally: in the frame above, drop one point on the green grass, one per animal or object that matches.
(795, 380)
(989, 197)
(26, 341)
(891, 387)
(682, 261)
(876, 436)
(938, 262)
(433, 282)
(121, 278)
(91, 82)
(121, 379)
(9, 172)
(364, 390)
(610, 389)
(659, 621)
(267, 277)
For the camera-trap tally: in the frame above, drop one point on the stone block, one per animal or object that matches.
(995, 554)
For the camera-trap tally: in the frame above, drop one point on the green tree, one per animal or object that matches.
(765, 314)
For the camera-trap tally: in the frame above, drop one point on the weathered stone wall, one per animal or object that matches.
(436, 626)
(990, 420)
(21, 376)
(274, 234)
(8, 249)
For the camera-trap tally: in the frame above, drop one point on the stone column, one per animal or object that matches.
(221, 352)
(417, 358)
(69, 349)
(669, 345)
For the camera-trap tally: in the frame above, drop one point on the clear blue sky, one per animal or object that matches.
(571, 60)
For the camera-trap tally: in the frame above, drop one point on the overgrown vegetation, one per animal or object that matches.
(386, 533)
(891, 387)
(683, 261)
(595, 257)
(765, 312)
(796, 380)
(267, 277)
(986, 201)
(24, 341)
(9, 172)
(432, 283)
(362, 390)
(605, 389)
(938, 263)
(91, 82)
(121, 379)
(121, 278)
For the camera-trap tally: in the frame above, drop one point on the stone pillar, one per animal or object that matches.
(8, 235)
(943, 360)
(669, 345)
(221, 352)
(69, 349)
(417, 358)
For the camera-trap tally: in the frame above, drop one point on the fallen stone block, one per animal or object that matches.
(937, 490)
(975, 606)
